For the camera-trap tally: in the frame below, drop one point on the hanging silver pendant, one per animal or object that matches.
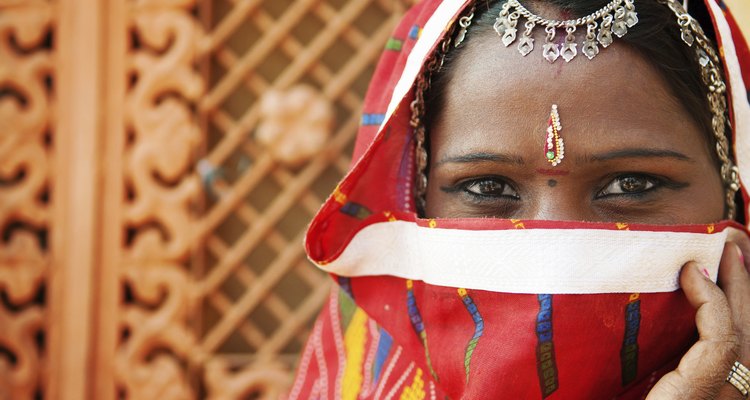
(703, 58)
(501, 22)
(509, 36)
(687, 37)
(526, 44)
(460, 37)
(605, 37)
(620, 27)
(499, 26)
(464, 23)
(590, 48)
(569, 51)
(686, 34)
(631, 17)
(551, 52)
(570, 48)
(605, 33)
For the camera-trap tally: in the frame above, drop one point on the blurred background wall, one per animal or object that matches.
(159, 161)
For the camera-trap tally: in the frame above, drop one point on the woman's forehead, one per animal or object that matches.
(618, 77)
(495, 96)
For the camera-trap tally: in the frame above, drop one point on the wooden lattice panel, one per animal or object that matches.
(257, 291)
(25, 152)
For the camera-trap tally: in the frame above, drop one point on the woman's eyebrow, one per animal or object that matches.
(482, 157)
(638, 153)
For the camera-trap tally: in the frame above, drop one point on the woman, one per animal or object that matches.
(461, 273)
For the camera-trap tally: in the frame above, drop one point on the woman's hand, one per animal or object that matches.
(723, 321)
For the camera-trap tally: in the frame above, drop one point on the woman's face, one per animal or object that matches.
(632, 153)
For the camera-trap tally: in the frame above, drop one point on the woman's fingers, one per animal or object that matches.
(701, 372)
(742, 240)
(734, 279)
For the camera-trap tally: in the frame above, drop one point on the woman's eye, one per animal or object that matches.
(628, 184)
(490, 188)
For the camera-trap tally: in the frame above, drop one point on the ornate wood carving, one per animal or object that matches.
(162, 136)
(25, 142)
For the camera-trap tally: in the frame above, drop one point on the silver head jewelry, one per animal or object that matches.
(614, 18)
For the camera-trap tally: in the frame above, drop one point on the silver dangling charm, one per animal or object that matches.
(620, 27)
(526, 44)
(464, 23)
(703, 58)
(631, 17)
(590, 48)
(570, 48)
(510, 31)
(605, 32)
(551, 51)
(615, 18)
(686, 34)
(501, 22)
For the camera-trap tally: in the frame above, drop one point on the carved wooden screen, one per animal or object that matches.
(25, 216)
(151, 238)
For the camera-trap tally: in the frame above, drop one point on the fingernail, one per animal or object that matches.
(705, 272)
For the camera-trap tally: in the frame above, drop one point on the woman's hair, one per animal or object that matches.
(656, 37)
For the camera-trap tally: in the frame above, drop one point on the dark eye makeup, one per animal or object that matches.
(486, 188)
(636, 185)
(621, 186)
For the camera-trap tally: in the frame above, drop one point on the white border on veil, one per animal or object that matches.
(571, 261)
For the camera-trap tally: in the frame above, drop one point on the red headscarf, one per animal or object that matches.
(468, 308)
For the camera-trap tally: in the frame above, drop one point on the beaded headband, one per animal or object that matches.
(615, 17)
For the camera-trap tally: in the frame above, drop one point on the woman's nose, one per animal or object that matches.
(559, 206)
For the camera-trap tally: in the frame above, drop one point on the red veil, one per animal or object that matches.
(462, 308)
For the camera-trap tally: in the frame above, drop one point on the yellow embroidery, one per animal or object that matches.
(415, 391)
(622, 226)
(634, 297)
(710, 228)
(338, 196)
(354, 342)
(517, 223)
(462, 292)
(433, 223)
